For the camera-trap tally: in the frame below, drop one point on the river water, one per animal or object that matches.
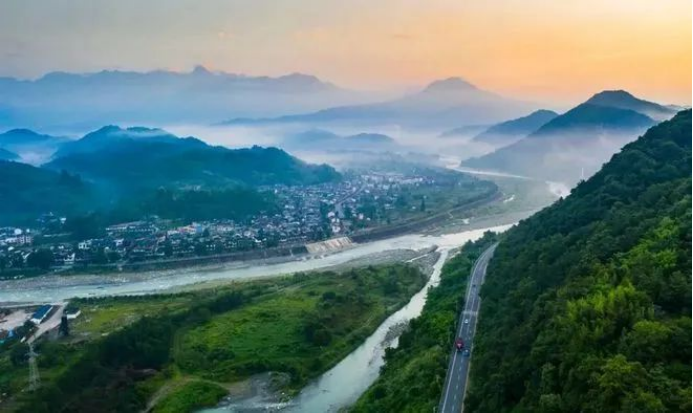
(58, 288)
(344, 383)
(337, 388)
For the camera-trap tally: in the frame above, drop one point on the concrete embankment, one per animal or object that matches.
(330, 245)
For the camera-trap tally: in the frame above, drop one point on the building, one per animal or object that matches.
(41, 314)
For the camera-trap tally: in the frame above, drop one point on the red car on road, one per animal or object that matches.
(459, 344)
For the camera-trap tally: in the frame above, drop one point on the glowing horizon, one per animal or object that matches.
(532, 49)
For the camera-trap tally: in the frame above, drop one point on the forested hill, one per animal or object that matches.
(587, 304)
(157, 158)
(26, 192)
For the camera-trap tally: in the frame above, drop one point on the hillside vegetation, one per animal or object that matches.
(120, 175)
(141, 158)
(27, 191)
(124, 349)
(414, 373)
(587, 304)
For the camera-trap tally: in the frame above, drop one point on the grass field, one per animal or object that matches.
(180, 352)
(301, 331)
(190, 396)
(106, 315)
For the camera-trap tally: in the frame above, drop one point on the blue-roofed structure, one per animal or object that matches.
(41, 314)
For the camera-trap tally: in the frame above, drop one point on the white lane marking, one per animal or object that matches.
(466, 379)
(463, 327)
(447, 390)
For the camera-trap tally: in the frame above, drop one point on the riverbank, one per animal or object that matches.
(520, 199)
(281, 253)
(299, 325)
(413, 374)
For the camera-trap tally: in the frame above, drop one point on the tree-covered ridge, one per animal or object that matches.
(587, 305)
(126, 174)
(413, 376)
(123, 162)
(27, 191)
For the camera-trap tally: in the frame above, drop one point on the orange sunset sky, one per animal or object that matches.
(555, 51)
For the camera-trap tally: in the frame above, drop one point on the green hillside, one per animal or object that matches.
(140, 158)
(27, 191)
(587, 305)
(412, 378)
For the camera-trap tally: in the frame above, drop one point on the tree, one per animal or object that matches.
(41, 258)
(19, 354)
(64, 328)
(168, 248)
(100, 257)
(200, 248)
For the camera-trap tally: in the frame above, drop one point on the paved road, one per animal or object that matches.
(458, 370)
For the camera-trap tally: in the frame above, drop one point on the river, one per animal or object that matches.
(54, 288)
(344, 383)
(338, 387)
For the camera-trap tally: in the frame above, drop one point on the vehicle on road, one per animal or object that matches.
(459, 344)
(466, 352)
(466, 321)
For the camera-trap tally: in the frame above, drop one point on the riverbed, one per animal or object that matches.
(344, 383)
(55, 288)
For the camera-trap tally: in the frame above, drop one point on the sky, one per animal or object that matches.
(544, 50)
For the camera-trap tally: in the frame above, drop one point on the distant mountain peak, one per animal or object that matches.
(22, 131)
(301, 76)
(103, 131)
(200, 71)
(625, 100)
(450, 84)
(611, 95)
(544, 112)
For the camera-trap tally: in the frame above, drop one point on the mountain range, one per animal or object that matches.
(326, 141)
(624, 100)
(442, 104)
(587, 303)
(575, 144)
(505, 133)
(111, 136)
(80, 101)
(149, 158)
(113, 166)
(30, 146)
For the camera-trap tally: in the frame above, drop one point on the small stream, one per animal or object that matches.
(344, 383)
(337, 388)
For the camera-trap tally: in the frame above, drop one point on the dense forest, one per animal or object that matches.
(414, 373)
(127, 165)
(26, 192)
(587, 304)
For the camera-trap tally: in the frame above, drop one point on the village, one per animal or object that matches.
(305, 214)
